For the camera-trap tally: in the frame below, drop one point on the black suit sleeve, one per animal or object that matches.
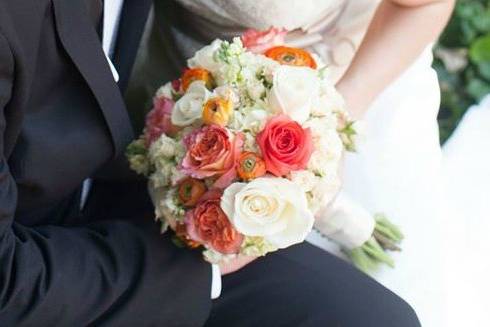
(107, 273)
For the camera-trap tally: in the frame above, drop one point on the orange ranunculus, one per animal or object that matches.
(250, 166)
(217, 111)
(196, 74)
(181, 233)
(190, 191)
(291, 56)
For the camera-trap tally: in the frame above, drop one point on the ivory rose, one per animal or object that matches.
(273, 208)
(188, 108)
(260, 41)
(208, 224)
(285, 145)
(294, 91)
(212, 151)
(204, 58)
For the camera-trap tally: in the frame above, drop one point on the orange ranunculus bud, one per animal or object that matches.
(217, 111)
(181, 233)
(250, 166)
(291, 56)
(196, 74)
(190, 191)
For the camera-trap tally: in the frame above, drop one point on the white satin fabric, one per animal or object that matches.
(397, 171)
(466, 169)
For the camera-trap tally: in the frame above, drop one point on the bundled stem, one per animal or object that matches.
(386, 237)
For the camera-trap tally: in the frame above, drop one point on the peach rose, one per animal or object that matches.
(212, 151)
(259, 41)
(285, 145)
(208, 224)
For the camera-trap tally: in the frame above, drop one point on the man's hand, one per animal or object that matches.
(235, 264)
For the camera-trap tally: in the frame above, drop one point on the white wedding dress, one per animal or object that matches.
(398, 167)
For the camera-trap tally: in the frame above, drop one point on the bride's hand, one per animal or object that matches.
(235, 264)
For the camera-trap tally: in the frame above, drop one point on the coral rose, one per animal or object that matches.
(212, 151)
(285, 145)
(250, 166)
(209, 225)
(158, 120)
(259, 41)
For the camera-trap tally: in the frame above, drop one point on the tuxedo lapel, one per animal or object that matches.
(134, 16)
(80, 40)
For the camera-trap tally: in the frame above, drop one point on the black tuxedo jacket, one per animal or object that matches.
(62, 119)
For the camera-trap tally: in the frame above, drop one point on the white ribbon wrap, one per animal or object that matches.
(345, 222)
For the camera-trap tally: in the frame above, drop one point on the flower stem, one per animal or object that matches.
(373, 252)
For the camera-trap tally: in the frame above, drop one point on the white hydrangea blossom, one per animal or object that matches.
(328, 101)
(305, 179)
(322, 194)
(164, 148)
(216, 257)
(256, 246)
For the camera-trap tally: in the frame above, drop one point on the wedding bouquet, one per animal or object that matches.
(243, 150)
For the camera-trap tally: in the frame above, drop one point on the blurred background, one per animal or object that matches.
(462, 61)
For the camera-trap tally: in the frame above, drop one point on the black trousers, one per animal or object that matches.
(306, 286)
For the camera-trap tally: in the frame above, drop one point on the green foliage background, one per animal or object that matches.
(462, 61)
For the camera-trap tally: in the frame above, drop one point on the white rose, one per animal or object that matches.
(293, 92)
(204, 58)
(165, 91)
(188, 108)
(346, 222)
(274, 208)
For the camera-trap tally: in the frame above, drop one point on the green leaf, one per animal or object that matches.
(480, 49)
(481, 21)
(478, 88)
(484, 70)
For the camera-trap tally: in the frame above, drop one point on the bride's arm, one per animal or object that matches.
(397, 35)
